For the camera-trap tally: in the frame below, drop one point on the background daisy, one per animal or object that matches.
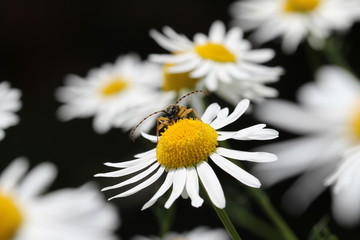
(345, 182)
(28, 214)
(328, 119)
(9, 104)
(182, 153)
(295, 20)
(199, 233)
(221, 57)
(116, 95)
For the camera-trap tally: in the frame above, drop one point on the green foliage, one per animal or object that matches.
(321, 231)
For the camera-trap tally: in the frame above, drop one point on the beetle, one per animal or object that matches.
(172, 114)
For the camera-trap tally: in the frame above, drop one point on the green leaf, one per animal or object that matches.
(321, 231)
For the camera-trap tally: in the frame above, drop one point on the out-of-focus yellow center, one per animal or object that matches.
(10, 218)
(115, 86)
(355, 124)
(186, 143)
(302, 6)
(177, 81)
(215, 52)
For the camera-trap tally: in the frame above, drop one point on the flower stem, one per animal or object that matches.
(227, 223)
(263, 201)
(333, 54)
(252, 223)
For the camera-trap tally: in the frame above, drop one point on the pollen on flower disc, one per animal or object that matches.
(11, 218)
(115, 86)
(186, 143)
(301, 5)
(215, 52)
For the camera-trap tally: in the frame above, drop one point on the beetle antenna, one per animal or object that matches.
(190, 93)
(131, 134)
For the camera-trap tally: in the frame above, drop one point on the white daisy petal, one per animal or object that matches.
(178, 186)
(200, 38)
(37, 180)
(185, 67)
(164, 187)
(260, 56)
(210, 113)
(192, 187)
(10, 177)
(126, 164)
(217, 32)
(201, 70)
(142, 185)
(235, 171)
(290, 117)
(210, 81)
(150, 137)
(169, 45)
(151, 152)
(242, 134)
(211, 184)
(246, 156)
(127, 171)
(238, 111)
(179, 37)
(234, 35)
(9, 104)
(263, 134)
(134, 179)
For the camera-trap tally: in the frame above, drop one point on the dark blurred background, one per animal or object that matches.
(43, 40)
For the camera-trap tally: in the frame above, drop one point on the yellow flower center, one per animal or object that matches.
(215, 52)
(115, 86)
(302, 6)
(10, 218)
(177, 81)
(355, 124)
(186, 143)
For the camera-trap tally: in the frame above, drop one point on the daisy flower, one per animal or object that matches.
(70, 214)
(234, 92)
(200, 233)
(295, 20)
(345, 182)
(184, 152)
(115, 94)
(327, 119)
(9, 103)
(218, 58)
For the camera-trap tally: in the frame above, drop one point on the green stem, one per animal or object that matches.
(333, 54)
(227, 223)
(248, 221)
(263, 201)
(165, 217)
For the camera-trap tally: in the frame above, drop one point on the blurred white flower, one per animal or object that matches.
(295, 20)
(9, 103)
(117, 95)
(199, 233)
(328, 117)
(72, 214)
(235, 91)
(184, 151)
(346, 189)
(218, 58)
